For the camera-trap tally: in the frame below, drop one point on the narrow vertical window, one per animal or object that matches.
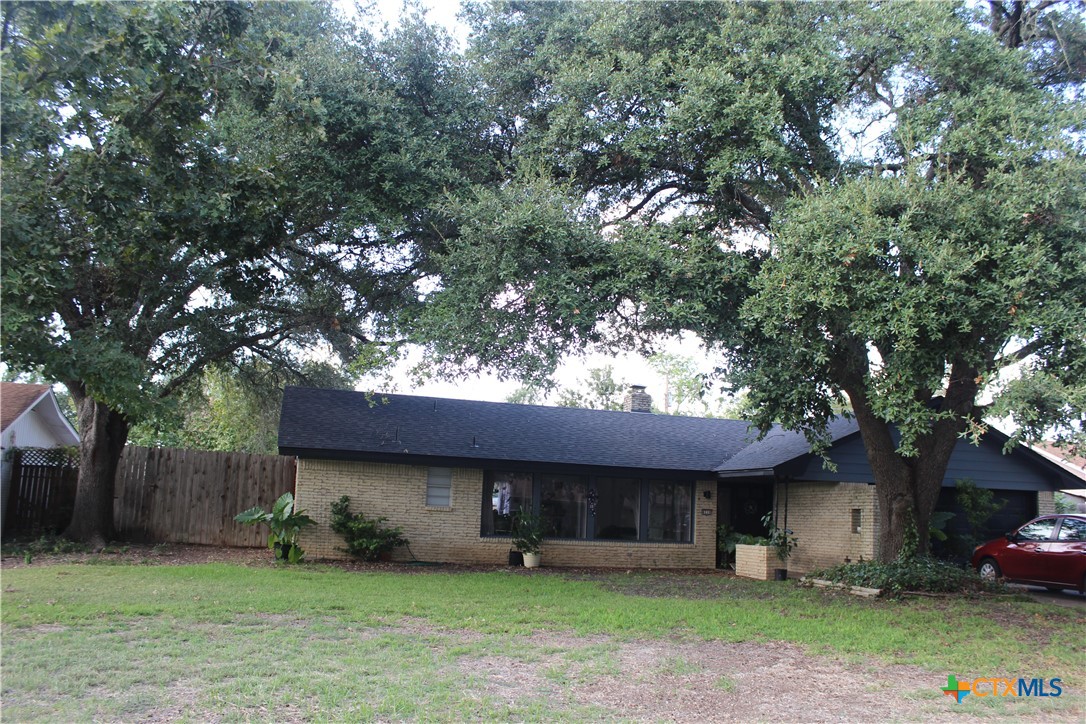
(856, 520)
(618, 509)
(439, 487)
(508, 494)
(670, 511)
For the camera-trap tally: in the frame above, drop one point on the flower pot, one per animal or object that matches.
(780, 574)
(516, 558)
(531, 560)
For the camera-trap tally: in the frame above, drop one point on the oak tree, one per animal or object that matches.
(193, 183)
(876, 202)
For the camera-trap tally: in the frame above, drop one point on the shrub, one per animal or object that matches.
(43, 546)
(727, 539)
(980, 505)
(918, 573)
(366, 538)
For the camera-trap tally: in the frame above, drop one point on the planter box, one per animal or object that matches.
(756, 562)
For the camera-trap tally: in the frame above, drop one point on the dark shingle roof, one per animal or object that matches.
(354, 424)
(780, 446)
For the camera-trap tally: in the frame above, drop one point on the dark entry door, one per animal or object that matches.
(749, 504)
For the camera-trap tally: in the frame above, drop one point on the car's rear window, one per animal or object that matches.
(1073, 529)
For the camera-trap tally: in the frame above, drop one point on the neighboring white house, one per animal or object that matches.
(29, 417)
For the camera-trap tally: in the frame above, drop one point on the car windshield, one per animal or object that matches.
(1037, 530)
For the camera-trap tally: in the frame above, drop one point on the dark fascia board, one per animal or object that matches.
(756, 473)
(494, 464)
(1064, 478)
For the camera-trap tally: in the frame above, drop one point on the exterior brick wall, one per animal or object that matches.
(1046, 502)
(451, 534)
(820, 515)
(754, 561)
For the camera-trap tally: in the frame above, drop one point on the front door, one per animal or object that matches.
(749, 504)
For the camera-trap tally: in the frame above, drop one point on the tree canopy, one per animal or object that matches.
(193, 183)
(874, 202)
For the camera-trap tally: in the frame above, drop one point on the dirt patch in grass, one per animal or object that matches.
(651, 680)
(147, 554)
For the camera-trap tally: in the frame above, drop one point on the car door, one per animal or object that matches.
(1023, 558)
(1065, 557)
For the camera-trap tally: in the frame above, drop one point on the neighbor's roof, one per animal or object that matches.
(16, 398)
(336, 423)
(1074, 464)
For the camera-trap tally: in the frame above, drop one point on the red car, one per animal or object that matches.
(1048, 551)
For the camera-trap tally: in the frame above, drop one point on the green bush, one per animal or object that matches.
(727, 539)
(285, 524)
(366, 538)
(919, 573)
(527, 532)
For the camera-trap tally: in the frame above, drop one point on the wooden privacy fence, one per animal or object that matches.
(168, 495)
(42, 491)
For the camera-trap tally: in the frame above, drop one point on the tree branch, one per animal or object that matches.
(644, 202)
(1019, 354)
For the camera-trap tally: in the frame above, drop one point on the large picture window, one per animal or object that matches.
(584, 507)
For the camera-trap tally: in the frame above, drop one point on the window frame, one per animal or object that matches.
(430, 486)
(642, 481)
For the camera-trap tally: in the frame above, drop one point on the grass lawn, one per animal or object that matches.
(222, 641)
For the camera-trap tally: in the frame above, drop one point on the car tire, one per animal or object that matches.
(988, 569)
(1055, 589)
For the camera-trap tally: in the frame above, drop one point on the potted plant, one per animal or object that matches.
(285, 523)
(528, 537)
(783, 541)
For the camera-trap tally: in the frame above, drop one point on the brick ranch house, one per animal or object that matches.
(630, 489)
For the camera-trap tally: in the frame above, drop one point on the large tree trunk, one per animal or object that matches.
(907, 489)
(103, 433)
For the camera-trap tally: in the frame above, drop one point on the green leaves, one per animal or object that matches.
(366, 538)
(285, 524)
(524, 271)
(190, 183)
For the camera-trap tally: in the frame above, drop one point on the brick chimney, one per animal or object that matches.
(637, 400)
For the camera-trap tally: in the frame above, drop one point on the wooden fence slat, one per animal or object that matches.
(161, 495)
(189, 496)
